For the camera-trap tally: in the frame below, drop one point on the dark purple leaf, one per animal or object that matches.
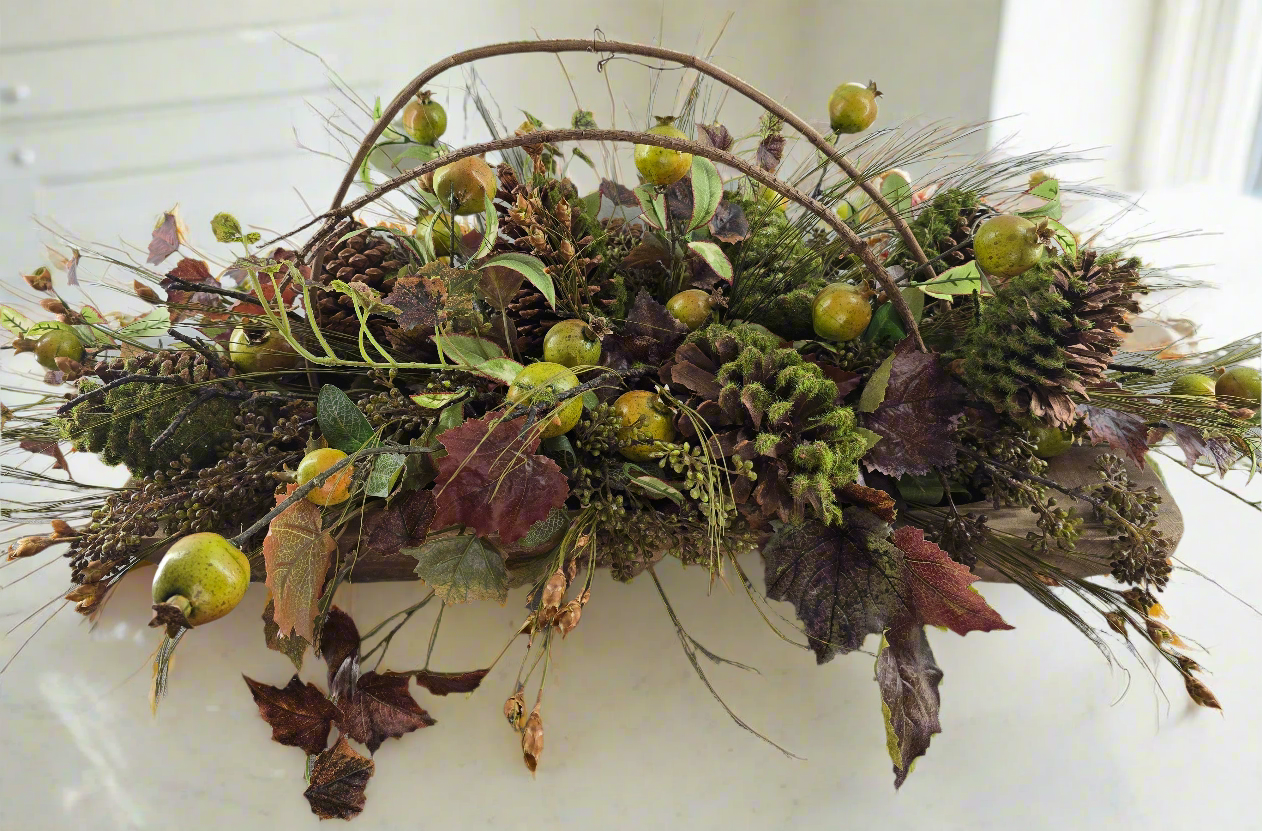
(381, 707)
(1195, 447)
(618, 194)
(299, 714)
(1124, 432)
(650, 334)
(403, 524)
(729, 223)
(339, 641)
(908, 678)
(921, 406)
(770, 152)
(715, 135)
(165, 240)
(338, 780)
(679, 200)
(844, 583)
(446, 683)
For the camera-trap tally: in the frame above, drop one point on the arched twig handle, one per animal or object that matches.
(615, 47)
(537, 137)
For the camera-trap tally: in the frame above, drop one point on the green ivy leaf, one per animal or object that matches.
(534, 270)
(157, 322)
(461, 568)
(963, 279)
(714, 257)
(886, 325)
(385, 472)
(342, 424)
(707, 191)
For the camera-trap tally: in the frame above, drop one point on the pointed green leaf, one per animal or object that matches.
(653, 203)
(896, 188)
(501, 369)
(341, 423)
(874, 393)
(461, 568)
(963, 279)
(385, 472)
(467, 350)
(157, 322)
(1046, 189)
(714, 256)
(1064, 237)
(534, 270)
(490, 234)
(707, 191)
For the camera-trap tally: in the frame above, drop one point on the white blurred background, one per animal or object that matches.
(112, 112)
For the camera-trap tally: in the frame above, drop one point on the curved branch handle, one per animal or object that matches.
(536, 137)
(615, 47)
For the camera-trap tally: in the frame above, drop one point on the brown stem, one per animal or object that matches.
(856, 245)
(616, 47)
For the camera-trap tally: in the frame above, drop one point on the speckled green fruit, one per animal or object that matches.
(1192, 384)
(425, 119)
(538, 384)
(332, 491)
(852, 107)
(840, 312)
(439, 229)
(1007, 245)
(468, 183)
(571, 343)
(644, 421)
(1050, 442)
(1239, 382)
(57, 343)
(260, 350)
(691, 307)
(207, 571)
(658, 165)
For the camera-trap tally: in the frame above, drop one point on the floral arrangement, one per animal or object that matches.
(476, 377)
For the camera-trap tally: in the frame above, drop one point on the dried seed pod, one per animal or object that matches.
(532, 739)
(515, 710)
(1187, 664)
(568, 617)
(1197, 691)
(87, 591)
(53, 305)
(29, 546)
(1117, 623)
(145, 293)
(584, 597)
(40, 280)
(62, 529)
(553, 594)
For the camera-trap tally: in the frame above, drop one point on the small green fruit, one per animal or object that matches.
(538, 384)
(852, 107)
(1050, 442)
(644, 423)
(425, 119)
(1007, 245)
(467, 183)
(571, 343)
(691, 308)
(204, 575)
(57, 343)
(1239, 382)
(658, 165)
(332, 491)
(260, 350)
(1192, 384)
(841, 312)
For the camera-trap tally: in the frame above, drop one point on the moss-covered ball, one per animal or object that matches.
(207, 571)
(1192, 384)
(644, 422)
(659, 165)
(1007, 245)
(571, 343)
(538, 385)
(691, 307)
(841, 312)
(1239, 382)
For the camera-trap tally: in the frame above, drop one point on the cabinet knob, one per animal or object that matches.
(13, 93)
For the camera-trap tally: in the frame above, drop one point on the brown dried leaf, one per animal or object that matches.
(729, 223)
(339, 641)
(165, 240)
(296, 555)
(940, 588)
(1124, 432)
(618, 194)
(499, 285)
(403, 524)
(715, 135)
(770, 152)
(921, 405)
(381, 707)
(338, 779)
(908, 677)
(191, 271)
(50, 448)
(874, 500)
(446, 683)
(417, 305)
(293, 647)
(299, 714)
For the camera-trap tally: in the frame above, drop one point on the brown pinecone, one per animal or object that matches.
(369, 257)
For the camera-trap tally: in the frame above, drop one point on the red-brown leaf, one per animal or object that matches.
(770, 151)
(191, 271)
(940, 587)
(296, 555)
(338, 779)
(492, 480)
(45, 448)
(165, 240)
(381, 707)
(403, 525)
(715, 135)
(445, 683)
(299, 714)
(417, 306)
(339, 641)
(1122, 431)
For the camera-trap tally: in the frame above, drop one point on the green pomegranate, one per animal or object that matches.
(644, 422)
(661, 166)
(1239, 382)
(571, 343)
(57, 343)
(260, 350)
(425, 119)
(468, 184)
(1192, 384)
(852, 107)
(538, 384)
(691, 308)
(204, 575)
(841, 312)
(1007, 245)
